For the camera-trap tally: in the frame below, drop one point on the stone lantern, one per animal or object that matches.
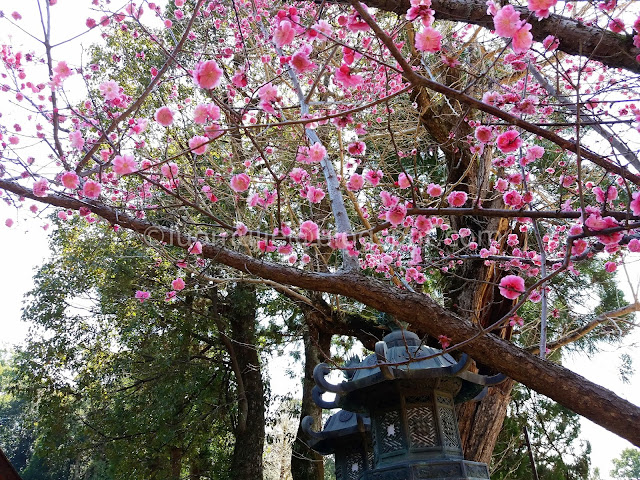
(409, 391)
(346, 435)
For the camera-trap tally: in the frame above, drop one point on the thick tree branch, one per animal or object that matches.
(556, 382)
(576, 38)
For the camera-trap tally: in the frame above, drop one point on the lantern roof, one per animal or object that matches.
(401, 357)
(339, 429)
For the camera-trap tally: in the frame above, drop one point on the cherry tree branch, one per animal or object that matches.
(576, 37)
(419, 80)
(565, 387)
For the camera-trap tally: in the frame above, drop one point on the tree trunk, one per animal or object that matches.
(481, 422)
(305, 463)
(246, 462)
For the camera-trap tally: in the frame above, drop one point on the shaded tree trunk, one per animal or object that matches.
(305, 463)
(246, 461)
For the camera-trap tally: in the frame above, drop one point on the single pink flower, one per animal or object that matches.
(511, 286)
(434, 190)
(8, 222)
(241, 230)
(357, 148)
(196, 248)
(373, 177)
(315, 195)
(70, 180)
(509, 141)
(164, 116)
(635, 203)
(541, 7)
(404, 180)
(483, 134)
(309, 231)
(616, 25)
(507, 21)
(110, 90)
(198, 144)
(169, 170)
(40, 187)
(522, 40)
(317, 152)
(513, 199)
(91, 189)
(355, 183)
(240, 182)
(395, 215)
(428, 40)
(207, 74)
(457, 198)
(634, 245)
(610, 267)
(124, 164)
(142, 296)
(344, 77)
(284, 34)
(178, 284)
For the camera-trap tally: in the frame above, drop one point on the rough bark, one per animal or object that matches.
(556, 382)
(576, 38)
(246, 461)
(481, 422)
(305, 463)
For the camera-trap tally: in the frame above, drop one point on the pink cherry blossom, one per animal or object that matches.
(240, 229)
(422, 223)
(610, 267)
(509, 141)
(164, 116)
(421, 9)
(298, 174)
(541, 7)
(124, 164)
(357, 148)
(373, 177)
(317, 152)
(284, 34)
(511, 286)
(404, 180)
(207, 74)
(513, 199)
(522, 39)
(196, 248)
(40, 187)
(395, 215)
(309, 231)
(634, 245)
(300, 60)
(91, 189)
(62, 70)
(142, 295)
(635, 203)
(434, 190)
(355, 183)
(616, 25)
(240, 182)
(457, 198)
(198, 144)
(8, 222)
(507, 21)
(70, 180)
(268, 95)
(315, 195)
(483, 134)
(428, 40)
(110, 90)
(178, 284)
(169, 170)
(344, 77)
